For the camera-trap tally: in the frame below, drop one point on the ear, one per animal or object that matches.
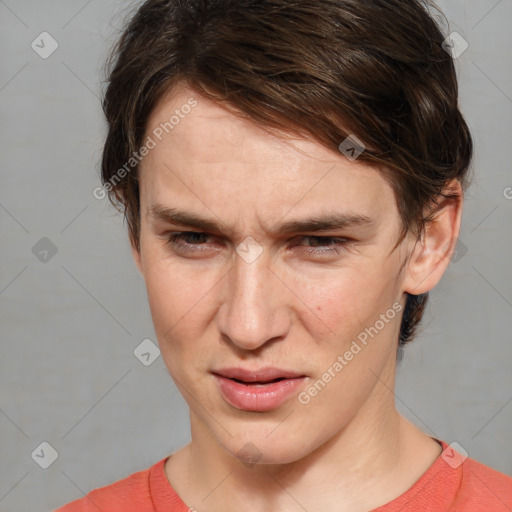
(433, 251)
(136, 256)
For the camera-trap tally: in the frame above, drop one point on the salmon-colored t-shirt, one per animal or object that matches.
(452, 484)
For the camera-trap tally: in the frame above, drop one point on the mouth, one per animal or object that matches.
(258, 382)
(262, 375)
(259, 390)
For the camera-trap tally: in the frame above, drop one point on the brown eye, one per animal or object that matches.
(324, 244)
(187, 240)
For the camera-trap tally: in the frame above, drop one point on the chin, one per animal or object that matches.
(260, 448)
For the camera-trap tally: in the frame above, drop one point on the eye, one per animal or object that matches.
(325, 244)
(187, 240)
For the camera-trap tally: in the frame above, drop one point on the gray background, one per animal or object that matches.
(69, 325)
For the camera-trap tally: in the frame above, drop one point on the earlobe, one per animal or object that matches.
(432, 253)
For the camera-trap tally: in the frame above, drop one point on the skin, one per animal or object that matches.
(348, 449)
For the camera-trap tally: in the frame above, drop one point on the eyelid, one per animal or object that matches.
(322, 237)
(336, 238)
(338, 247)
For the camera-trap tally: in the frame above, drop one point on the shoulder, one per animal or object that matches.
(456, 483)
(130, 494)
(484, 488)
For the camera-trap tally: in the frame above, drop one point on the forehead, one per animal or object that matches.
(216, 127)
(208, 153)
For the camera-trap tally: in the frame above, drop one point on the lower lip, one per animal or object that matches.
(258, 397)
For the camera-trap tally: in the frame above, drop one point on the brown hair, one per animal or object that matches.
(305, 67)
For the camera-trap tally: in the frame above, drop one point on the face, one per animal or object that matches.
(245, 289)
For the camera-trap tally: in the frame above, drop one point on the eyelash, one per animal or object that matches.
(177, 240)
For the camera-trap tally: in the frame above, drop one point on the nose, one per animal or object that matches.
(254, 311)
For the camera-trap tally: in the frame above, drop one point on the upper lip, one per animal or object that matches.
(259, 375)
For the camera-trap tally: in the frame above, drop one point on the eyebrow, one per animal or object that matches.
(325, 222)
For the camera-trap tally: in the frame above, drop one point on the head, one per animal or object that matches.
(228, 118)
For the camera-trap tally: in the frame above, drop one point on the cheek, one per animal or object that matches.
(342, 302)
(178, 301)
